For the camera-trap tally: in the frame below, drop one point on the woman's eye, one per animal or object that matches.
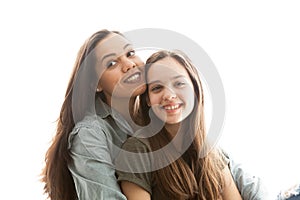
(111, 63)
(156, 88)
(180, 84)
(130, 53)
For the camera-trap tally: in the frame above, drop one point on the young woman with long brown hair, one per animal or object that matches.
(93, 121)
(186, 168)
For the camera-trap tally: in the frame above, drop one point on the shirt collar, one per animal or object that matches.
(103, 110)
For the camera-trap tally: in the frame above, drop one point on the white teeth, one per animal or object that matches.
(171, 107)
(133, 78)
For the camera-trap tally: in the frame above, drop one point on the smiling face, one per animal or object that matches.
(121, 71)
(170, 90)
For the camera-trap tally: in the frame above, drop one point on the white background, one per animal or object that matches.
(255, 46)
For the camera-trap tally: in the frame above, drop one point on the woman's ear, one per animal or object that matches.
(99, 88)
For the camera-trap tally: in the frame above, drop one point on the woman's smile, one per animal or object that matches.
(133, 78)
(172, 108)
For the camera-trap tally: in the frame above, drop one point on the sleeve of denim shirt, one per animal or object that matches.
(92, 169)
(251, 187)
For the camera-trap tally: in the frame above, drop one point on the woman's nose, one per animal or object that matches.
(169, 94)
(127, 64)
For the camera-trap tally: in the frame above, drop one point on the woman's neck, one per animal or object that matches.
(176, 130)
(125, 107)
(172, 129)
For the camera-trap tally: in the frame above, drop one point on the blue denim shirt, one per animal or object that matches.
(93, 145)
(250, 187)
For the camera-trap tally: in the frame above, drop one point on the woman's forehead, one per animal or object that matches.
(112, 44)
(165, 69)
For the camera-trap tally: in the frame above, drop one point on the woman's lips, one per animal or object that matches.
(134, 78)
(172, 108)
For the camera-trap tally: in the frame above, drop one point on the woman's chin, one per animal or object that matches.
(140, 90)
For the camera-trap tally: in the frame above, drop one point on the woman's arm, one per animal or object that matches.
(92, 168)
(230, 190)
(134, 192)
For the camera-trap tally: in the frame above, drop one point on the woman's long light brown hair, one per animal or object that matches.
(192, 176)
(56, 176)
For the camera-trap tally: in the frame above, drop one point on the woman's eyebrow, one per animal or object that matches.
(159, 81)
(108, 55)
(179, 76)
(114, 54)
(125, 46)
(155, 81)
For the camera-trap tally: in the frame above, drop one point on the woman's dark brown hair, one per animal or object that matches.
(56, 176)
(192, 176)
